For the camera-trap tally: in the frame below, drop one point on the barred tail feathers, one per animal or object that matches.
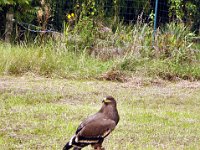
(67, 146)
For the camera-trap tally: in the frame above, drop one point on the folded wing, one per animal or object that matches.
(96, 130)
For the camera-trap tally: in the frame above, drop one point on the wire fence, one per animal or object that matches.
(129, 12)
(126, 11)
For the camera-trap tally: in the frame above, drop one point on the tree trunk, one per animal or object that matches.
(9, 24)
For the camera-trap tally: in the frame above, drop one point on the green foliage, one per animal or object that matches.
(186, 11)
(175, 9)
(174, 54)
(86, 33)
(88, 8)
(14, 2)
(175, 42)
(90, 52)
(22, 10)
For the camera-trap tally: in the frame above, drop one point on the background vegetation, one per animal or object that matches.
(101, 39)
(48, 42)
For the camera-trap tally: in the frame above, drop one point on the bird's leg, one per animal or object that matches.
(98, 147)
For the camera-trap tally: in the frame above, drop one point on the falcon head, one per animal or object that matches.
(109, 100)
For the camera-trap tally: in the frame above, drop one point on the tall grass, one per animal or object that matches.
(47, 62)
(172, 55)
(90, 49)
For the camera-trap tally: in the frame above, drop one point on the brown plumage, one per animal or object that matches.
(95, 128)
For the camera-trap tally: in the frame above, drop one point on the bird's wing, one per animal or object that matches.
(96, 130)
(91, 118)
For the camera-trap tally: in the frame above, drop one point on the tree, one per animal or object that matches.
(8, 7)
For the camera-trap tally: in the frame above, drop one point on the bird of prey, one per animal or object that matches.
(95, 128)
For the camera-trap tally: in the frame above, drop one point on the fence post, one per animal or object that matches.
(155, 21)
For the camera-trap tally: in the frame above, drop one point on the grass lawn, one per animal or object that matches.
(41, 113)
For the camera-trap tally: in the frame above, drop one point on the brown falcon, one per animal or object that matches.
(95, 128)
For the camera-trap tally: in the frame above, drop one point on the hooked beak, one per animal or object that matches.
(105, 100)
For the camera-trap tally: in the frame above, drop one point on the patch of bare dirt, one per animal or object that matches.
(137, 82)
(188, 84)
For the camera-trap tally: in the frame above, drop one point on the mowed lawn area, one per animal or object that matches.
(41, 113)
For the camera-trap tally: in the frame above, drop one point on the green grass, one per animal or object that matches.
(165, 69)
(39, 113)
(45, 61)
(91, 50)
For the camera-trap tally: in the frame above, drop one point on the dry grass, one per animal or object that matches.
(40, 113)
